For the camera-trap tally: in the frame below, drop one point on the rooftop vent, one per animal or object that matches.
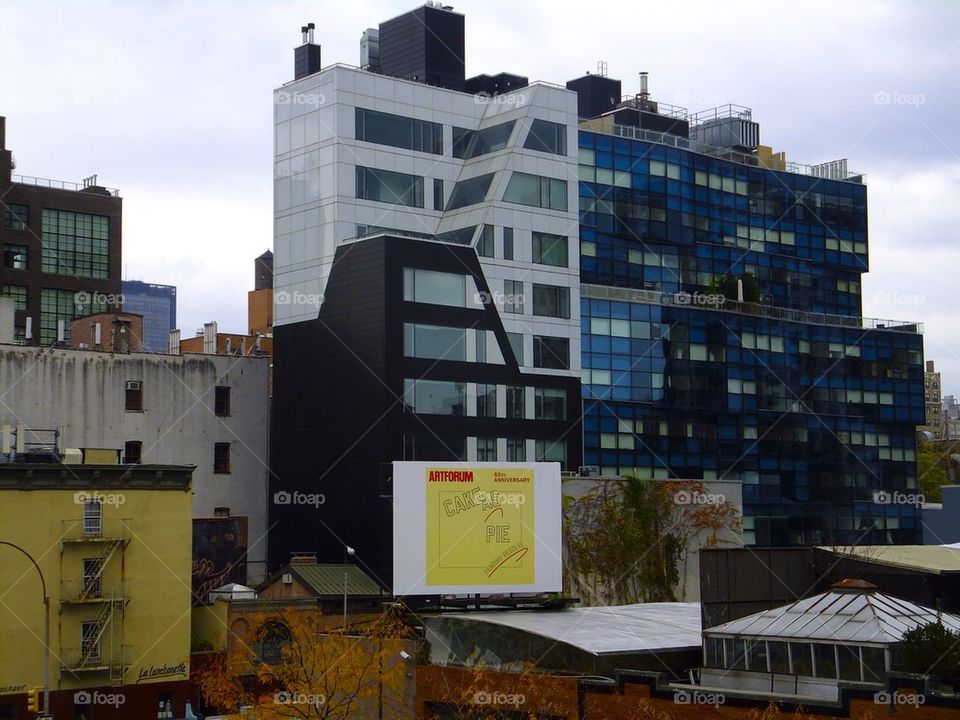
(854, 586)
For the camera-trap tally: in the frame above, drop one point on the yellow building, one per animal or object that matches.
(113, 543)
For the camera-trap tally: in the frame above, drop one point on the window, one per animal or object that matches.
(849, 659)
(164, 706)
(439, 288)
(508, 243)
(437, 194)
(485, 244)
(270, 640)
(221, 401)
(92, 572)
(513, 296)
(470, 192)
(713, 652)
(132, 452)
(516, 344)
(389, 187)
(221, 458)
(800, 655)
(874, 664)
(435, 397)
(779, 661)
(92, 518)
(19, 295)
(15, 257)
(76, 244)
(516, 450)
(550, 249)
(16, 217)
(550, 404)
(551, 301)
(133, 396)
(825, 659)
(434, 342)
(551, 352)
(551, 451)
(544, 192)
(89, 641)
(486, 449)
(56, 305)
(399, 131)
(473, 143)
(486, 400)
(516, 402)
(546, 136)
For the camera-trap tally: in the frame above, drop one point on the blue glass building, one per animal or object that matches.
(792, 392)
(158, 305)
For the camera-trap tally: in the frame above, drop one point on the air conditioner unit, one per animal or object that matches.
(287, 579)
(133, 384)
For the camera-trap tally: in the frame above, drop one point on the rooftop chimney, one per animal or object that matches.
(306, 58)
(644, 87)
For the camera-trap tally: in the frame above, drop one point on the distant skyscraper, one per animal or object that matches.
(158, 305)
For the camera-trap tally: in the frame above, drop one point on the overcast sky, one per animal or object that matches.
(171, 103)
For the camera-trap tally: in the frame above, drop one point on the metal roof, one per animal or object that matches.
(645, 627)
(326, 580)
(934, 559)
(840, 615)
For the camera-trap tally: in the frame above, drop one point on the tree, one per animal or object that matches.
(625, 539)
(931, 650)
(930, 475)
(297, 668)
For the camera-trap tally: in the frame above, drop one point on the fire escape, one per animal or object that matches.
(92, 608)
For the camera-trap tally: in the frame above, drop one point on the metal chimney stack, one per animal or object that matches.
(644, 87)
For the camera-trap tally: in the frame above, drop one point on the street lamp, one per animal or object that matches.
(46, 627)
(347, 550)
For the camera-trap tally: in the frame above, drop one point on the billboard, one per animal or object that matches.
(478, 528)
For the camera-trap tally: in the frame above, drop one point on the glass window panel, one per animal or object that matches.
(516, 450)
(551, 301)
(436, 397)
(473, 143)
(551, 352)
(825, 659)
(550, 404)
(389, 187)
(436, 288)
(470, 192)
(802, 663)
(434, 342)
(545, 136)
(779, 660)
(549, 249)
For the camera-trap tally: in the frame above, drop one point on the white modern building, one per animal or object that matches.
(210, 411)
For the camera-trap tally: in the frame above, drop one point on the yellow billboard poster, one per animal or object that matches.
(479, 526)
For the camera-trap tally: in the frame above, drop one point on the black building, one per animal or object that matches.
(426, 45)
(407, 363)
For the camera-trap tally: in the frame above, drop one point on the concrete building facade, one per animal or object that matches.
(205, 410)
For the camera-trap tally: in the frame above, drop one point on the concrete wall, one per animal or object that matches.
(85, 391)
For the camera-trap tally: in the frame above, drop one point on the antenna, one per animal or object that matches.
(602, 68)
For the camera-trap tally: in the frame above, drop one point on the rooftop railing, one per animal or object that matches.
(686, 299)
(833, 170)
(63, 185)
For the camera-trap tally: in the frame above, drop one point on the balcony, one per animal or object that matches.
(92, 591)
(87, 531)
(682, 299)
